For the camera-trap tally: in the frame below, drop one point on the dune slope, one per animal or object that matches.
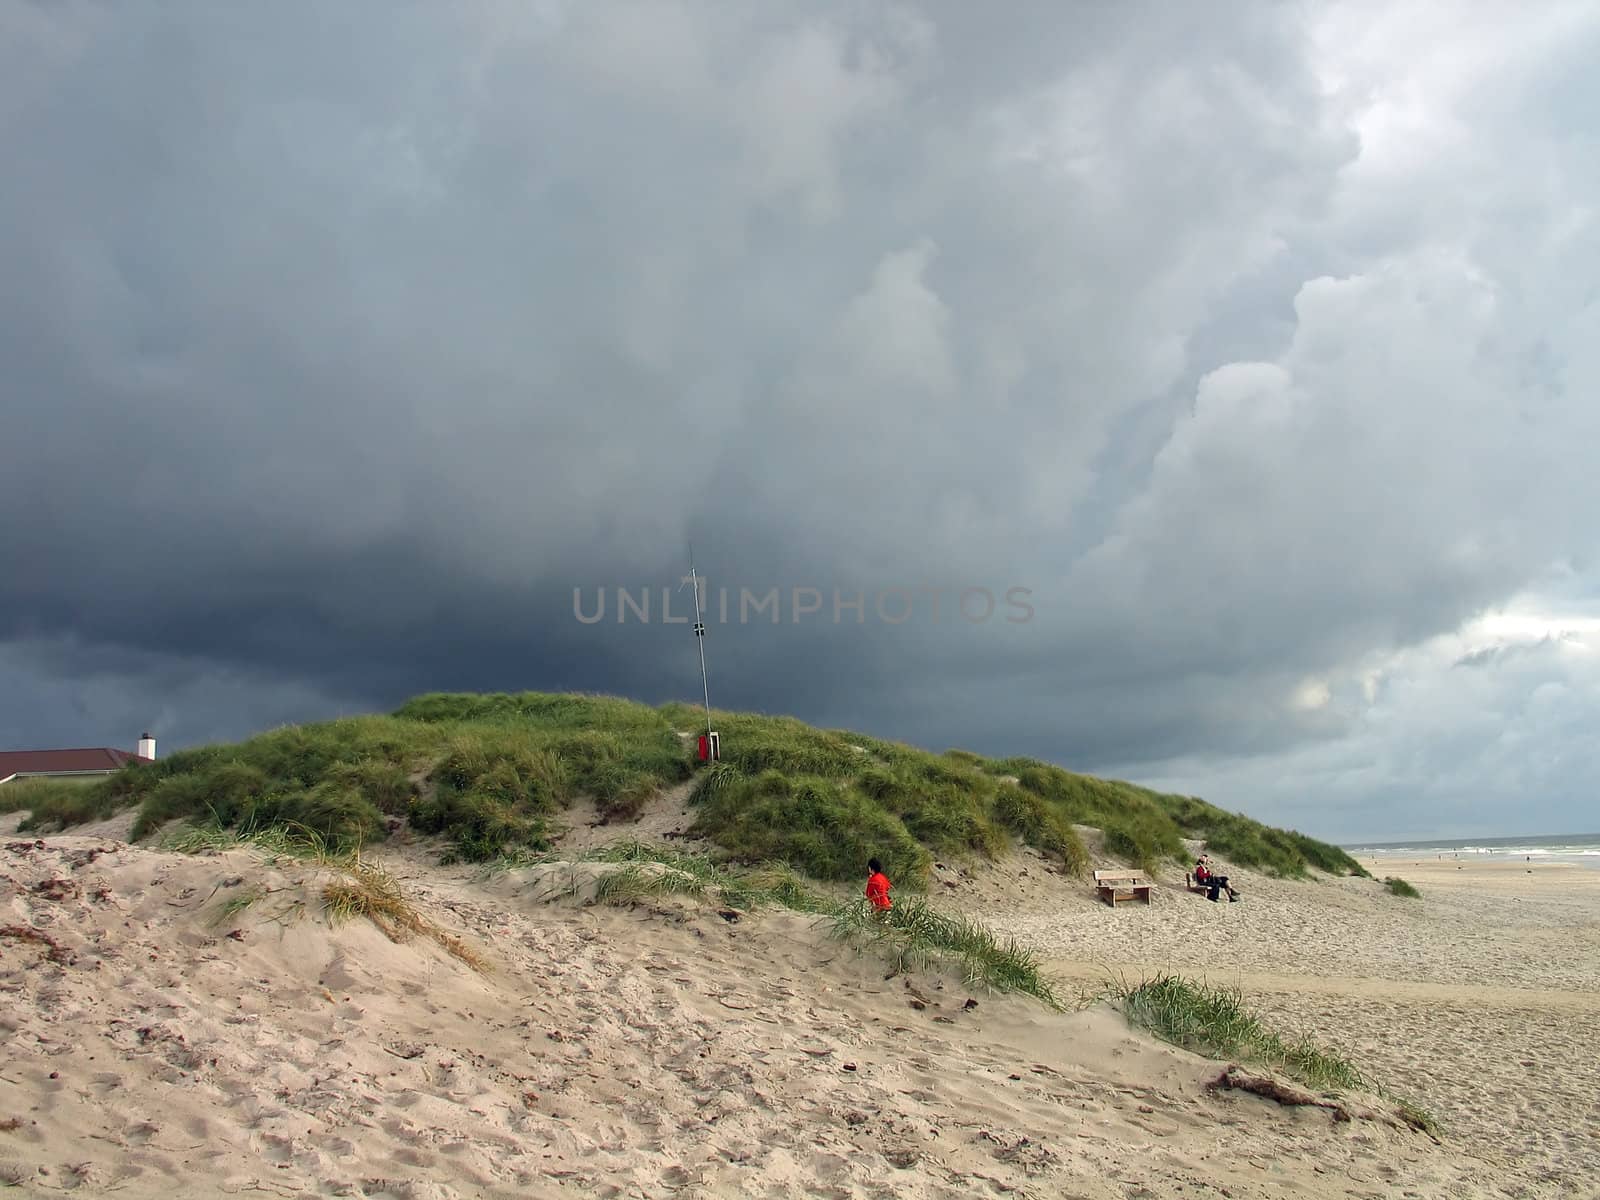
(161, 1033)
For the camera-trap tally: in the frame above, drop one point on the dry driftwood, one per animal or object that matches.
(1237, 1078)
(1288, 1094)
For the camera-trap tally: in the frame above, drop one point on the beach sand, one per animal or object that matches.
(1480, 1001)
(165, 1037)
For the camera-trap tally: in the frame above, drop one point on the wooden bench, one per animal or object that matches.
(1116, 886)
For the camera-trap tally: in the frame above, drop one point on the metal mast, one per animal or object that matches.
(700, 638)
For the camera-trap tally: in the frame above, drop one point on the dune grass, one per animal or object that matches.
(1246, 843)
(361, 889)
(57, 803)
(639, 882)
(913, 935)
(1213, 1021)
(488, 773)
(236, 904)
(485, 771)
(1137, 828)
(649, 870)
(1399, 887)
(823, 827)
(1038, 824)
(267, 840)
(367, 890)
(1146, 828)
(1415, 1116)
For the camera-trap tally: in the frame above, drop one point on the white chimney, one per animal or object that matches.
(147, 746)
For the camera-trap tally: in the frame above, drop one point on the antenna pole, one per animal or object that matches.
(700, 638)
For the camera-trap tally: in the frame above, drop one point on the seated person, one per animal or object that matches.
(1214, 884)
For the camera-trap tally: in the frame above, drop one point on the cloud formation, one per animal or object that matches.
(1258, 344)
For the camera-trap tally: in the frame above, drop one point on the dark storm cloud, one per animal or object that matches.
(340, 346)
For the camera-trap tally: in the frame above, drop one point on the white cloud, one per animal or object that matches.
(1478, 731)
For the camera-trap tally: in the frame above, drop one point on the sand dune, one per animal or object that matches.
(166, 1036)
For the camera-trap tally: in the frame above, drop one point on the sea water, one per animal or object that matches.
(1580, 849)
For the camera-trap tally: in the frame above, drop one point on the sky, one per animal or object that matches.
(1204, 395)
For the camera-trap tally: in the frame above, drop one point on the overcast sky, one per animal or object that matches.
(340, 344)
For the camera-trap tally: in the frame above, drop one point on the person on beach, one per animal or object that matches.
(877, 887)
(1214, 884)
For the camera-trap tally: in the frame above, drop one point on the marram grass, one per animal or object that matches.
(1213, 1021)
(490, 775)
(913, 934)
(367, 890)
(360, 888)
(649, 870)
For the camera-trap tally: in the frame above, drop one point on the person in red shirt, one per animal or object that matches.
(877, 887)
(1214, 884)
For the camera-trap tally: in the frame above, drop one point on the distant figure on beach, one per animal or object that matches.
(1214, 883)
(877, 886)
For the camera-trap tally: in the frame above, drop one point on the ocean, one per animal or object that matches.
(1580, 849)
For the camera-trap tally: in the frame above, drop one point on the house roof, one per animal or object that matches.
(41, 762)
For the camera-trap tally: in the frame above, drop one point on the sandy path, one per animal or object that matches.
(665, 820)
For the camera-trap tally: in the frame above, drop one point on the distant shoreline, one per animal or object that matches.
(1577, 849)
(1521, 842)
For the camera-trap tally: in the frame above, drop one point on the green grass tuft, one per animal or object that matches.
(56, 803)
(913, 935)
(236, 904)
(1416, 1117)
(360, 889)
(1246, 843)
(269, 842)
(651, 870)
(1041, 825)
(368, 890)
(819, 826)
(639, 881)
(1214, 1021)
(1399, 887)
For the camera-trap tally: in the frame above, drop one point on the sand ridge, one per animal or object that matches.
(183, 1040)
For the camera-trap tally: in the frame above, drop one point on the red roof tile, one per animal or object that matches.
(29, 762)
